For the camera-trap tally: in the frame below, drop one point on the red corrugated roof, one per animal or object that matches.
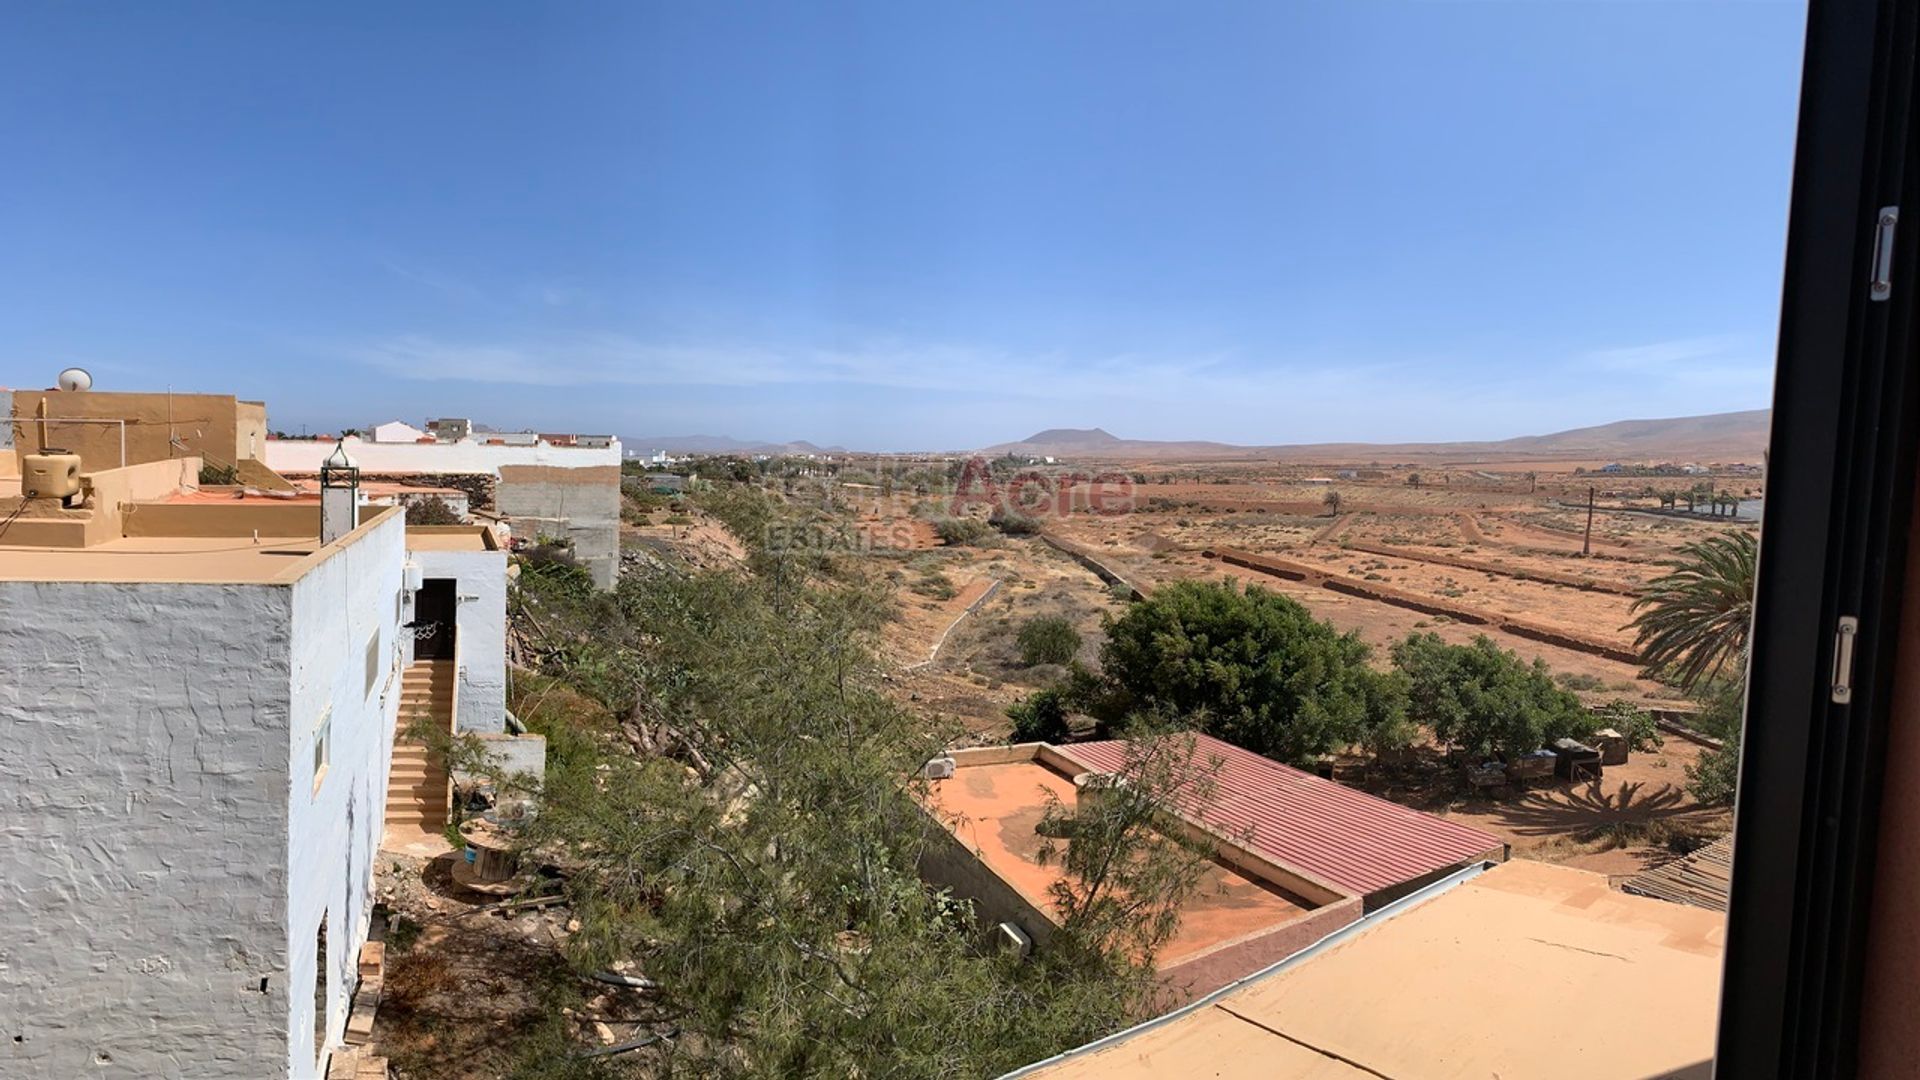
(1345, 837)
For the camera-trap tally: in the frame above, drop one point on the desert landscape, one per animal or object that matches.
(1448, 543)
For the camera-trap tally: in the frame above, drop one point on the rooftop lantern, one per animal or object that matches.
(339, 494)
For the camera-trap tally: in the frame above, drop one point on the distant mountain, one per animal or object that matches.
(1722, 437)
(720, 444)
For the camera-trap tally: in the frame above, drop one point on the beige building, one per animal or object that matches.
(1525, 969)
(110, 430)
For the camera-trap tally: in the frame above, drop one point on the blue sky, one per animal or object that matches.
(902, 224)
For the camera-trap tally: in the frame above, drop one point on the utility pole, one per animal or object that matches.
(1586, 545)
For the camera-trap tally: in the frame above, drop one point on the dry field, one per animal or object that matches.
(1477, 555)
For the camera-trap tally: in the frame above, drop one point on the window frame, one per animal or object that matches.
(1840, 489)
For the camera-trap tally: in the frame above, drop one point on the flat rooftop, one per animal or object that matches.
(451, 538)
(993, 808)
(1527, 969)
(200, 560)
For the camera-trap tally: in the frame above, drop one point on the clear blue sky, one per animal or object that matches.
(906, 224)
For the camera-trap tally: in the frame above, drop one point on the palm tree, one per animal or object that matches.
(1696, 619)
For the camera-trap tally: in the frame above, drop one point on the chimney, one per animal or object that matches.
(339, 494)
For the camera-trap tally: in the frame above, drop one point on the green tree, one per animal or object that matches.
(1126, 872)
(432, 510)
(1253, 668)
(1484, 699)
(1049, 639)
(759, 860)
(1331, 500)
(1694, 621)
(1040, 716)
(1714, 777)
(1631, 721)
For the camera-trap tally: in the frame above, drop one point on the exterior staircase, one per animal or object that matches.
(418, 788)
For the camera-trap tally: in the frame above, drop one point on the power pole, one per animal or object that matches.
(1586, 545)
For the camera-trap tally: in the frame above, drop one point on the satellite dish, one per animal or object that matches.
(76, 379)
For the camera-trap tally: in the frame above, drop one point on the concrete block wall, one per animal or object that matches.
(143, 820)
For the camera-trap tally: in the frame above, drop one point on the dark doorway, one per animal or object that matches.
(433, 614)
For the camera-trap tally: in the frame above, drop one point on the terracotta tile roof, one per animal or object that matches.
(1346, 838)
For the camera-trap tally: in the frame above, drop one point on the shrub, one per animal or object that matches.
(955, 531)
(677, 519)
(1633, 722)
(432, 510)
(1049, 639)
(1041, 717)
(1014, 523)
(1715, 777)
(221, 475)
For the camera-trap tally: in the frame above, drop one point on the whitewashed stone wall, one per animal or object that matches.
(480, 623)
(143, 823)
(165, 858)
(305, 456)
(339, 608)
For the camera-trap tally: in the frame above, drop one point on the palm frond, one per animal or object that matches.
(1694, 621)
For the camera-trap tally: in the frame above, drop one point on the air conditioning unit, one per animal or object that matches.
(52, 474)
(940, 768)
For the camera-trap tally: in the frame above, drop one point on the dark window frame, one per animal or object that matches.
(1840, 492)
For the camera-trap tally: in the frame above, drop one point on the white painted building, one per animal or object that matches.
(570, 492)
(397, 431)
(463, 576)
(198, 721)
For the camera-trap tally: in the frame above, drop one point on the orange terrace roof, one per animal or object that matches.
(993, 808)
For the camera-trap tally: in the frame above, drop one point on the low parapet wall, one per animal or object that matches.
(268, 519)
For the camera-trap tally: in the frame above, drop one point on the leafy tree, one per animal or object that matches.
(1694, 621)
(758, 857)
(1484, 699)
(1413, 479)
(1253, 668)
(1049, 639)
(1126, 876)
(432, 510)
(1632, 721)
(1714, 778)
(1040, 716)
(1331, 500)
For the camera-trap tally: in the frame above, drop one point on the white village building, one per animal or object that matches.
(204, 708)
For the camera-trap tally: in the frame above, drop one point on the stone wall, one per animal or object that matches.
(480, 625)
(344, 611)
(143, 818)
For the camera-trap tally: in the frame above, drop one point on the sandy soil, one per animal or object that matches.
(1637, 816)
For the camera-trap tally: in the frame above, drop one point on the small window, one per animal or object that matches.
(373, 663)
(322, 750)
